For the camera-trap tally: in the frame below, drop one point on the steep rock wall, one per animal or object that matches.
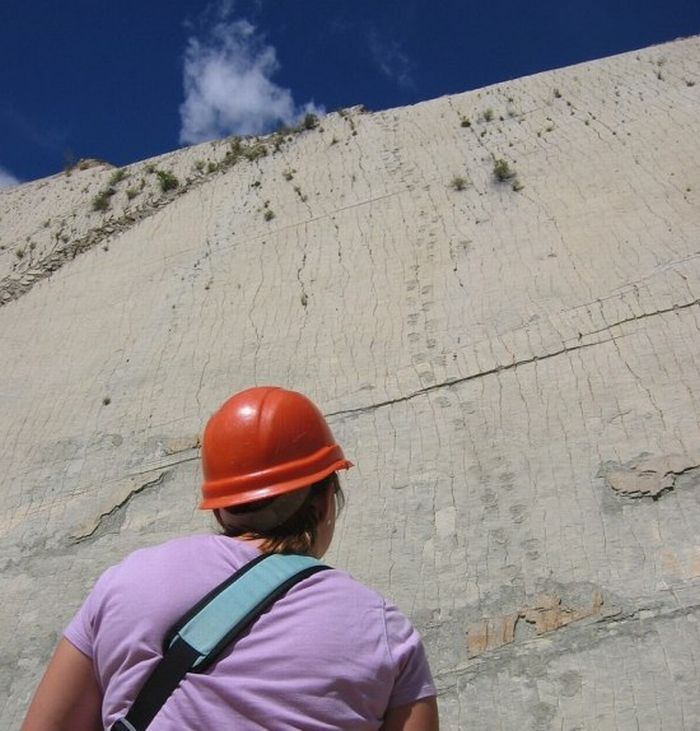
(512, 364)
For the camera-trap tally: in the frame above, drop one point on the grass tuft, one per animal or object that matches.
(167, 180)
(502, 170)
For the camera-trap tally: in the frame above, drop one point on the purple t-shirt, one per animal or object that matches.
(329, 654)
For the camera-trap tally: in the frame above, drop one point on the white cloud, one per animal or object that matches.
(390, 60)
(7, 179)
(229, 88)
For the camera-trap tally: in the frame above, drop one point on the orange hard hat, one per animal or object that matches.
(264, 442)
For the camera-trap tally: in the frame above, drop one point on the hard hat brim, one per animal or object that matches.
(270, 483)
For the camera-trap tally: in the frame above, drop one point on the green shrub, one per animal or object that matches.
(488, 115)
(101, 201)
(278, 139)
(269, 214)
(502, 171)
(458, 183)
(167, 180)
(253, 152)
(238, 150)
(117, 176)
(235, 151)
(466, 122)
(310, 121)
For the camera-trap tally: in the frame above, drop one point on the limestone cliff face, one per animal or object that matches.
(508, 351)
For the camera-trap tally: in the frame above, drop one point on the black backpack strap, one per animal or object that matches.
(159, 686)
(200, 635)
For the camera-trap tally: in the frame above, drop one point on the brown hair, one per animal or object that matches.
(298, 533)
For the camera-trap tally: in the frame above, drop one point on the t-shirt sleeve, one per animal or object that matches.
(413, 679)
(80, 631)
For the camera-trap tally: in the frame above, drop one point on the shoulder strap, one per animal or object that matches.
(199, 636)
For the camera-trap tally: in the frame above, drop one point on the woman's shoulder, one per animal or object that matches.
(206, 553)
(195, 544)
(345, 591)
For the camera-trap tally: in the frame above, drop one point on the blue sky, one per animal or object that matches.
(127, 80)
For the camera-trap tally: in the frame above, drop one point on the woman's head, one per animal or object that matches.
(269, 457)
(298, 522)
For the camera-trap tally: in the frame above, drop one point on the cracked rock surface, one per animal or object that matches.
(513, 369)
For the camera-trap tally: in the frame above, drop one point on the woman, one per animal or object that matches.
(329, 654)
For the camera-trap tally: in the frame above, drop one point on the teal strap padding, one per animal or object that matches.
(226, 609)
